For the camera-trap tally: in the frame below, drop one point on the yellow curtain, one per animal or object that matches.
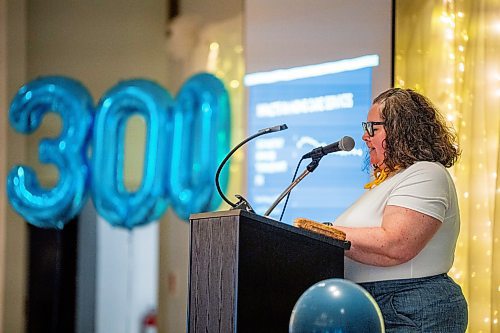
(449, 51)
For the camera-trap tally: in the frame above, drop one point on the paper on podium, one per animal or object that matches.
(319, 228)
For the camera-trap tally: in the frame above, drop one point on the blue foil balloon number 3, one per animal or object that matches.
(186, 139)
(52, 208)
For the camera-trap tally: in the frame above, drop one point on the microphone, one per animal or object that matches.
(242, 202)
(344, 144)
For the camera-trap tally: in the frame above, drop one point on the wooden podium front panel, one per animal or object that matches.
(247, 272)
(275, 267)
(213, 275)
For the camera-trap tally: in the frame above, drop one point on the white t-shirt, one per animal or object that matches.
(425, 187)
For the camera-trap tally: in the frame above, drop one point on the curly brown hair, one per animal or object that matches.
(415, 130)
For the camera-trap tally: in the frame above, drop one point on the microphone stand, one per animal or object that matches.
(310, 168)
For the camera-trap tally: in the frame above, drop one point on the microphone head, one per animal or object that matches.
(272, 129)
(346, 143)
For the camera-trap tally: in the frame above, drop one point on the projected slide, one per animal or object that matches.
(320, 104)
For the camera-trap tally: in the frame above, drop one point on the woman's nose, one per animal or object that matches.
(365, 137)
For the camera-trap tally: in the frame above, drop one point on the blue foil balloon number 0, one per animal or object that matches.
(186, 139)
(200, 142)
(117, 205)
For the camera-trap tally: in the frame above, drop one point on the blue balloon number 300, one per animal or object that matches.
(186, 138)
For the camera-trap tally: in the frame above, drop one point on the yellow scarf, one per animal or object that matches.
(379, 177)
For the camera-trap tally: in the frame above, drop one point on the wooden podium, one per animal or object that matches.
(247, 271)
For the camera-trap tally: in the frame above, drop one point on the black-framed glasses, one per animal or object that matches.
(368, 126)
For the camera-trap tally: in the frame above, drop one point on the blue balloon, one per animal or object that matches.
(336, 306)
(200, 142)
(42, 207)
(186, 140)
(113, 201)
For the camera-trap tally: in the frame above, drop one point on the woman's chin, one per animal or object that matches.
(376, 162)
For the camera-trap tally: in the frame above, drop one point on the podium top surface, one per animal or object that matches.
(277, 224)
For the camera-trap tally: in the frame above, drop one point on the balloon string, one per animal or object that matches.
(129, 279)
(57, 280)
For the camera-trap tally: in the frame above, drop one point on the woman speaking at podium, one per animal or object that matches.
(404, 229)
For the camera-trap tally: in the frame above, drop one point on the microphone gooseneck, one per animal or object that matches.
(242, 202)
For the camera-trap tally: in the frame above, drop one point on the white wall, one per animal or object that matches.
(212, 11)
(277, 34)
(290, 33)
(220, 21)
(100, 42)
(12, 147)
(127, 277)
